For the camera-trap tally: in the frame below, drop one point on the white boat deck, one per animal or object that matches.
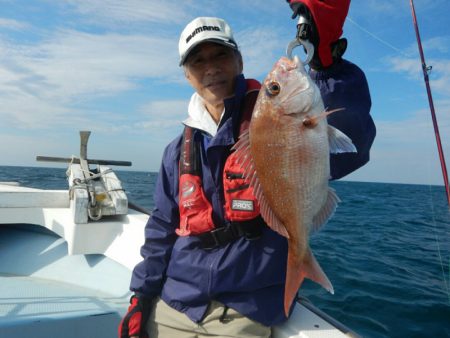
(29, 305)
(43, 289)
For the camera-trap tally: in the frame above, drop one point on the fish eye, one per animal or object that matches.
(273, 88)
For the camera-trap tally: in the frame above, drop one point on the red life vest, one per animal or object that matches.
(240, 203)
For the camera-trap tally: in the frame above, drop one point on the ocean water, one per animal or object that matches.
(386, 251)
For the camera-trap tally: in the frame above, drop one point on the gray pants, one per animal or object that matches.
(166, 322)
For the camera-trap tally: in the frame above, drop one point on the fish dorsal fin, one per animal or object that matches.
(339, 142)
(327, 210)
(245, 160)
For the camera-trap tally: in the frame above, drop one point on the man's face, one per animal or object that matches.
(211, 69)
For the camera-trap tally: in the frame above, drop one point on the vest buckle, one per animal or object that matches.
(250, 230)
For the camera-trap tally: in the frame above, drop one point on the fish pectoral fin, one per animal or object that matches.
(339, 142)
(314, 120)
(327, 210)
(297, 272)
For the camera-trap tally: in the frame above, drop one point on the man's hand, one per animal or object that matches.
(134, 323)
(298, 8)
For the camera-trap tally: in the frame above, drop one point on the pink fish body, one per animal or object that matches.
(286, 158)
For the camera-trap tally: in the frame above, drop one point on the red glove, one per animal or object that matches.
(134, 322)
(328, 17)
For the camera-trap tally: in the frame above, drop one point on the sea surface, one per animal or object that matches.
(386, 251)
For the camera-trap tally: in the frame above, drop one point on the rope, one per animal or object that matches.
(94, 209)
(95, 217)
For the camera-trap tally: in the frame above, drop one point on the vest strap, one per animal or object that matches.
(251, 230)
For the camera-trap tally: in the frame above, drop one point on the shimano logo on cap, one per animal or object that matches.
(202, 29)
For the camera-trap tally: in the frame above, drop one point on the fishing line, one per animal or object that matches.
(428, 168)
(379, 39)
(430, 173)
(435, 230)
(441, 260)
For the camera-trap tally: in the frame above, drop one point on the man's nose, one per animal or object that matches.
(213, 66)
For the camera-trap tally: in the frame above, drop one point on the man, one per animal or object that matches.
(208, 270)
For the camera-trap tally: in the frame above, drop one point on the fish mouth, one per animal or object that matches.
(298, 63)
(291, 64)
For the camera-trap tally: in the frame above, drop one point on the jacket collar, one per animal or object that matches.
(199, 117)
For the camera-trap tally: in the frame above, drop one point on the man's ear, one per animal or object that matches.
(186, 72)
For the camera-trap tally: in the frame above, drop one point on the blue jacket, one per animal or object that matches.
(344, 85)
(248, 276)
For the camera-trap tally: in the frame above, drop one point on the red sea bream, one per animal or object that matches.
(286, 154)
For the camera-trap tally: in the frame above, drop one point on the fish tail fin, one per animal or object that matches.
(314, 272)
(296, 273)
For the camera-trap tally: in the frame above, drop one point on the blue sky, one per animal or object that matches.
(111, 66)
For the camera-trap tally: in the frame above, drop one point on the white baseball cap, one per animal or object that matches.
(204, 29)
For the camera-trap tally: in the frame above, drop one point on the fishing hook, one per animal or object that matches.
(302, 38)
(309, 48)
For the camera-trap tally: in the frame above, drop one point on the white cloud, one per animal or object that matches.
(130, 11)
(439, 76)
(396, 8)
(260, 49)
(410, 66)
(45, 83)
(12, 24)
(76, 63)
(405, 151)
(40, 84)
(164, 114)
(165, 109)
(439, 43)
